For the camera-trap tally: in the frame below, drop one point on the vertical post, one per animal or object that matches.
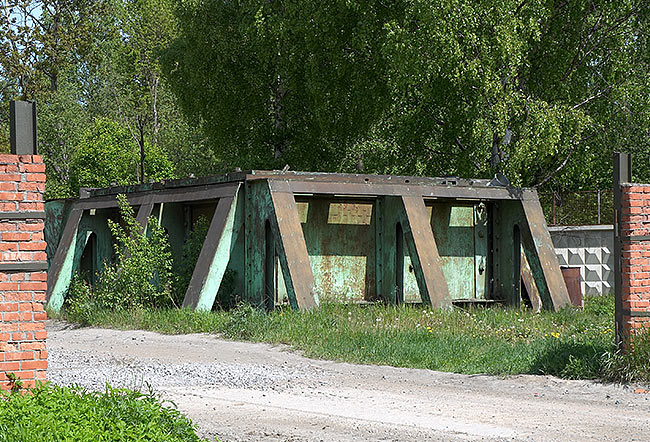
(399, 264)
(269, 268)
(622, 174)
(553, 205)
(22, 128)
(599, 206)
(516, 266)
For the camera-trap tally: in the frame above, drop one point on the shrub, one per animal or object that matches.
(141, 275)
(51, 413)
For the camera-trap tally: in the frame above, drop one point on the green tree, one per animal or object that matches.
(90, 59)
(107, 156)
(537, 89)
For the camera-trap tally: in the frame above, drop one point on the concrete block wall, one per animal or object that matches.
(591, 248)
(23, 279)
(635, 264)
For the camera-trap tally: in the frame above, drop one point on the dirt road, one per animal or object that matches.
(255, 392)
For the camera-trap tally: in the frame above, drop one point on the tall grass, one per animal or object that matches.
(570, 343)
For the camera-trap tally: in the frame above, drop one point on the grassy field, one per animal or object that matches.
(570, 344)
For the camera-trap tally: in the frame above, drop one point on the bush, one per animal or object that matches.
(141, 275)
(52, 413)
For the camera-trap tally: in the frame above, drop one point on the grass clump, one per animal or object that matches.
(573, 344)
(51, 413)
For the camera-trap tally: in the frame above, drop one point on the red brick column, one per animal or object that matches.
(22, 269)
(635, 262)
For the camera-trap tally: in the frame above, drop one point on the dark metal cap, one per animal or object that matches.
(22, 127)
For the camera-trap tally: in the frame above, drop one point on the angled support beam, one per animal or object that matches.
(542, 258)
(62, 267)
(144, 212)
(530, 284)
(421, 244)
(213, 259)
(292, 250)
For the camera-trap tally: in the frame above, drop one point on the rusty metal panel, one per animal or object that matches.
(571, 277)
(541, 256)
(56, 216)
(453, 229)
(350, 213)
(389, 214)
(294, 259)
(424, 253)
(340, 236)
(258, 210)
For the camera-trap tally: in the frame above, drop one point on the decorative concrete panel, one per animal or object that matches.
(590, 248)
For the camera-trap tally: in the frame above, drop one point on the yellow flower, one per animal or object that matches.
(555, 335)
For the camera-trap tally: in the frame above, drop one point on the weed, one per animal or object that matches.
(51, 413)
(15, 384)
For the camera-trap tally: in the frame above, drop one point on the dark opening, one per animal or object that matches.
(87, 268)
(269, 268)
(516, 266)
(399, 264)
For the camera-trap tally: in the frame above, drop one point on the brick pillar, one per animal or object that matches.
(23, 265)
(635, 260)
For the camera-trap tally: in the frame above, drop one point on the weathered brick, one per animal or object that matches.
(19, 355)
(35, 187)
(16, 236)
(35, 177)
(34, 168)
(10, 177)
(33, 365)
(32, 245)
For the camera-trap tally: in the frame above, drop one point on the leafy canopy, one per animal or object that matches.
(106, 156)
(542, 90)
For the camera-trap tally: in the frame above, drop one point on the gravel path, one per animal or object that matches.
(256, 392)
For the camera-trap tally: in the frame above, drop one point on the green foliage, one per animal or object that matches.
(543, 91)
(91, 60)
(52, 413)
(140, 276)
(15, 384)
(573, 344)
(80, 301)
(106, 155)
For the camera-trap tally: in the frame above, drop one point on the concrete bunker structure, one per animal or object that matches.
(298, 237)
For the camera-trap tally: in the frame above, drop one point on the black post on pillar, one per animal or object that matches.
(22, 128)
(622, 174)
